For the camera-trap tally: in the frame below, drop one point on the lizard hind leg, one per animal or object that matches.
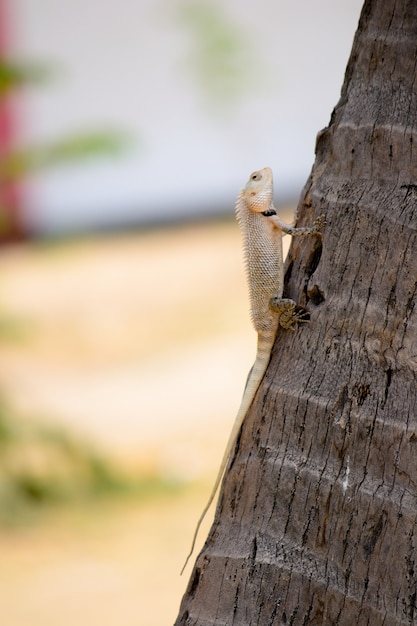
(290, 314)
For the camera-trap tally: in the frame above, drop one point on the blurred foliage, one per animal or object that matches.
(18, 163)
(62, 152)
(221, 57)
(14, 75)
(13, 328)
(41, 467)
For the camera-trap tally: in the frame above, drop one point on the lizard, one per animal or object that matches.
(262, 231)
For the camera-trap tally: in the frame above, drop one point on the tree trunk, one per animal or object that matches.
(317, 517)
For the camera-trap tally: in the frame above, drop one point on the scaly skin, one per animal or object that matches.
(262, 232)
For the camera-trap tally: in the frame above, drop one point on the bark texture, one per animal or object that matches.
(317, 517)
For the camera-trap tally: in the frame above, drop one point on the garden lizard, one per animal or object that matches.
(262, 232)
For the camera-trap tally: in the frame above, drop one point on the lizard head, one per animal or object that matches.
(257, 192)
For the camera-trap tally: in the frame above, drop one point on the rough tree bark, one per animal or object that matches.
(317, 518)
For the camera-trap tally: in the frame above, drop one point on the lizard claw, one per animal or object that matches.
(319, 223)
(290, 314)
(289, 320)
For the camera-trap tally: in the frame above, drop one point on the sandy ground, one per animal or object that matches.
(115, 565)
(142, 344)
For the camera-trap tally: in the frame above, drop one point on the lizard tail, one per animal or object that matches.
(263, 353)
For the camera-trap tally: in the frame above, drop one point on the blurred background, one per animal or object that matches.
(126, 131)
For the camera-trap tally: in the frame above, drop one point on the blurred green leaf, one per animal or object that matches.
(13, 75)
(43, 467)
(65, 151)
(16, 164)
(221, 58)
(13, 328)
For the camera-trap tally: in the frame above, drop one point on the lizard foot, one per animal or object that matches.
(290, 314)
(319, 224)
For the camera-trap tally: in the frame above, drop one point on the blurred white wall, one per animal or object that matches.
(127, 64)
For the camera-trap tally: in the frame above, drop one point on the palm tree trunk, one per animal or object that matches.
(317, 518)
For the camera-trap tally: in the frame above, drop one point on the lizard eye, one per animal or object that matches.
(256, 176)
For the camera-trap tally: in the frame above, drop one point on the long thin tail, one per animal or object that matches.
(263, 353)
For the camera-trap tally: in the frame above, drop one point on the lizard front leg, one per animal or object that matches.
(290, 314)
(294, 231)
